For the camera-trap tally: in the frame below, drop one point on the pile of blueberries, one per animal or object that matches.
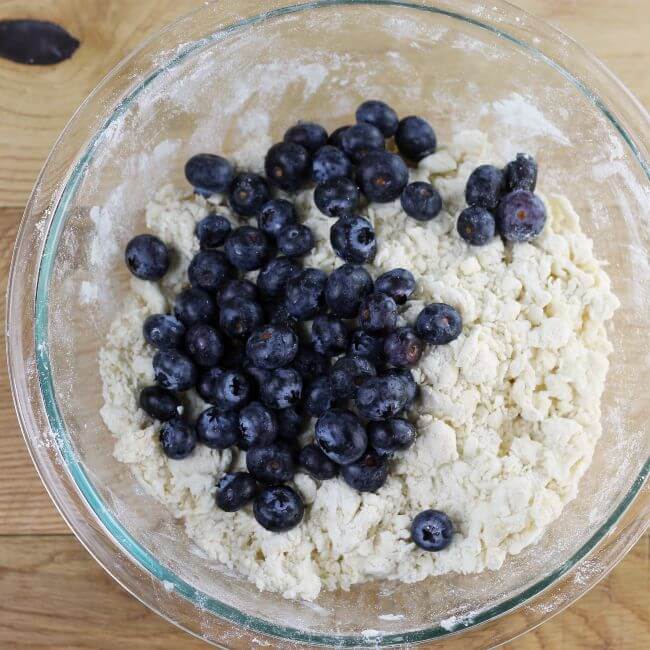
(241, 344)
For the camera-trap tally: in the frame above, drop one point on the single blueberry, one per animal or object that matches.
(232, 390)
(346, 286)
(309, 363)
(177, 438)
(272, 279)
(193, 306)
(207, 384)
(353, 240)
(432, 530)
(147, 257)
(399, 284)
(271, 464)
(360, 139)
(421, 201)
(305, 294)
(212, 231)
(291, 423)
(248, 193)
(347, 374)
(240, 316)
(366, 345)
(403, 347)
(282, 389)
(208, 173)
(272, 346)
(521, 173)
(235, 490)
(237, 289)
(381, 398)
(379, 114)
(330, 162)
(159, 403)
(257, 425)
(278, 508)
(521, 216)
(377, 313)
(312, 459)
(248, 248)
(163, 331)
(367, 474)
(382, 176)
(318, 397)
(295, 240)
(476, 225)
(340, 434)
(390, 436)
(336, 136)
(337, 197)
(287, 165)
(406, 376)
(204, 344)
(209, 270)
(415, 138)
(309, 135)
(218, 429)
(173, 370)
(329, 335)
(275, 215)
(438, 324)
(485, 186)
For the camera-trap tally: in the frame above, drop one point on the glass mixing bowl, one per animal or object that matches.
(236, 72)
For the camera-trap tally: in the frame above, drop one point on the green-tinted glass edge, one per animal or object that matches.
(79, 475)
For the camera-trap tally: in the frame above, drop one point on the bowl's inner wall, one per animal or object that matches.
(242, 91)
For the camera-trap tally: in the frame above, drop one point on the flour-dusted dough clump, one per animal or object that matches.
(507, 422)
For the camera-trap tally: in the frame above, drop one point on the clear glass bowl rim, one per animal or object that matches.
(50, 239)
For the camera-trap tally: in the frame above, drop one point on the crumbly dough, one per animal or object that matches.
(507, 422)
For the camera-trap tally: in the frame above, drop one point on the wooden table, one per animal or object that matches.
(52, 593)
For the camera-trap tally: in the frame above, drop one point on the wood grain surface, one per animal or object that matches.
(52, 593)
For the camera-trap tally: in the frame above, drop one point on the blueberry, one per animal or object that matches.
(272, 279)
(346, 286)
(207, 384)
(312, 459)
(248, 193)
(521, 216)
(337, 197)
(240, 316)
(403, 347)
(378, 114)
(318, 397)
(476, 225)
(381, 398)
(415, 138)
(272, 346)
(209, 174)
(248, 248)
(163, 331)
(193, 306)
(178, 438)
(295, 240)
(272, 463)
(159, 403)
(438, 324)
(232, 390)
(406, 376)
(340, 434)
(360, 139)
(330, 162)
(278, 508)
(377, 313)
(309, 135)
(173, 370)
(399, 284)
(391, 436)
(282, 389)
(260, 375)
(305, 294)
(367, 474)
(309, 363)
(278, 314)
(485, 186)
(257, 425)
(212, 231)
(235, 490)
(329, 335)
(432, 530)
(204, 345)
(275, 215)
(382, 176)
(218, 429)
(421, 201)
(347, 374)
(237, 289)
(209, 270)
(353, 240)
(336, 136)
(366, 345)
(147, 257)
(290, 423)
(287, 165)
(521, 173)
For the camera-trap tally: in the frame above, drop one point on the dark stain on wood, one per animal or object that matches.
(35, 42)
